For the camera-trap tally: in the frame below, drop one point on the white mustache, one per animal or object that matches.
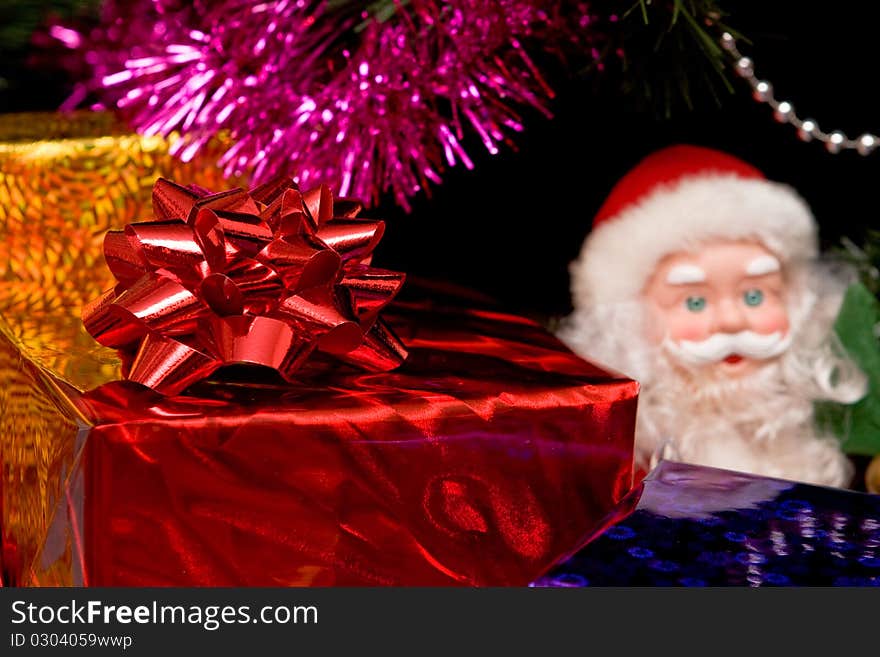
(747, 344)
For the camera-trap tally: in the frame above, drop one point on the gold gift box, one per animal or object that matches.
(64, 181)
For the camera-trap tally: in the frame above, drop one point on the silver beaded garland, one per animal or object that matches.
(745, 67)
(728, 42)
(835, 142)
(866, 144)
(783, 111)
(763, 91)
(808, 130)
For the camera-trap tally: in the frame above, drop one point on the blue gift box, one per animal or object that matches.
(695, 526)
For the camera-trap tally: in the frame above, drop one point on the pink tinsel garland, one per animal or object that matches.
(379, 108)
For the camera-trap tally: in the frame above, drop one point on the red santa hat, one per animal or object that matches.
(676, 199)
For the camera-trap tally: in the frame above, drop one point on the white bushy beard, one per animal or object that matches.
(761, 422)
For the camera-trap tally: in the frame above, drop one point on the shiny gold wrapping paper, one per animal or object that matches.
(64, 181)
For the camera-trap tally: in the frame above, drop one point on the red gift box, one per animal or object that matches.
(480, 461)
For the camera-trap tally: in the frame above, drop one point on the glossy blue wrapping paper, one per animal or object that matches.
(695, 526)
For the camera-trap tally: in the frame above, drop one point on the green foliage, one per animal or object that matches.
(857, 425)
(857, 326)
(672, 54)
(865, 258)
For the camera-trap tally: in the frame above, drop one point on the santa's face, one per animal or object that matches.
(721, 307)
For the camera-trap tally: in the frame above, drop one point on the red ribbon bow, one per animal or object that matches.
(263, 277)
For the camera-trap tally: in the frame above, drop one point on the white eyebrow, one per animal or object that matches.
(765, 264)
(684, 274)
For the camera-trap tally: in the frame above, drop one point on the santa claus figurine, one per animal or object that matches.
(700, 280)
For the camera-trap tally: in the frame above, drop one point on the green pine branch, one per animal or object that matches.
(672, 54)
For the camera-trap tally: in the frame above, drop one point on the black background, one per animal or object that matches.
(511, 226)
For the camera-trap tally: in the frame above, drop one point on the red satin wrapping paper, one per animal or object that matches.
(480, 461)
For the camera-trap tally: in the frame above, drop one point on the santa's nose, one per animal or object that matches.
(729, 317)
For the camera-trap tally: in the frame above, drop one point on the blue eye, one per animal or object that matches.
(753, 298)
(695, 304)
